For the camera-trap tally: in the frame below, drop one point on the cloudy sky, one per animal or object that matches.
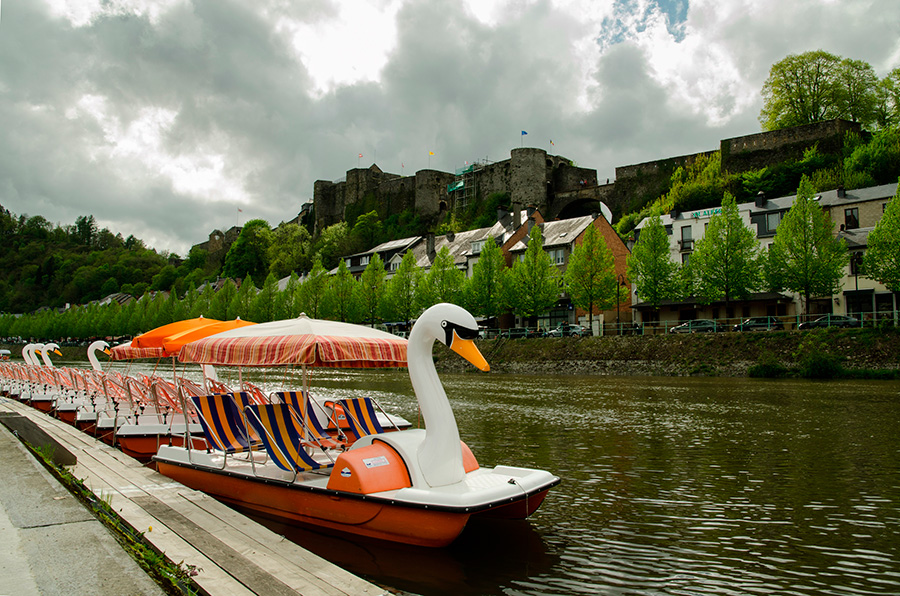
(162, 118)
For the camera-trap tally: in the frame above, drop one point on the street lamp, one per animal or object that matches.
(620, 281)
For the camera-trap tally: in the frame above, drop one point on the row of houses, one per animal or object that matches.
(855, 213)
(511, 233)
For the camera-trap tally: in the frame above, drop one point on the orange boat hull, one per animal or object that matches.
(325, 509)
(143, 448)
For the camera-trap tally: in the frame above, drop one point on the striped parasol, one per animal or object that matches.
(301, 341)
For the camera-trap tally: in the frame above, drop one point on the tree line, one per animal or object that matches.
(531, 287)
(728, 263)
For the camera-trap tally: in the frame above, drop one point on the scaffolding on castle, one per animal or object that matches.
(463, 191)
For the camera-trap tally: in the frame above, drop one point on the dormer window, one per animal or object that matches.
(477, 246)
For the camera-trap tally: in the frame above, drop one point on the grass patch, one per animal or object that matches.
(174, 578)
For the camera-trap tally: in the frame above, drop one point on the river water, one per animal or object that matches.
(669, 486)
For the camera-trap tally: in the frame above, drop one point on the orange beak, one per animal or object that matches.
(468, 350)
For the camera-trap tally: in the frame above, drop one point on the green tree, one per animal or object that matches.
(882, 259)
(726, 260)
(806, 257)
(290, 250)
(444, 282)
(332, 243)
(591, 274)
(287, 302)
(313, 289)
(367, 231)
(218, 305)
(400, 294)
(485, 290)
(240, 304)
(887, 100)
(340, 300)
(816, 86)
(533, 284)
(650, 268)
(371, 290)
(249, 254)
(262, 305)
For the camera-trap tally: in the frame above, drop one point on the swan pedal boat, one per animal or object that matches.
(416, 486)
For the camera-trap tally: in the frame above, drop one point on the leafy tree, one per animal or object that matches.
(533, 284)
(882, 259)
(367, 231)
(241, 303)
(218, 306)
(650, 269)
(371, 290)
(485, 290)
(591, 274)
(887, 100)
(806, 257)
(313, 289)
(290, 250)
(339, 302)
(400, 295)
(262, 305)
(726, 260)
(249, 254)
(332, 243)
(85, 231)
(287, 301)
(444, 282)
(816, 86)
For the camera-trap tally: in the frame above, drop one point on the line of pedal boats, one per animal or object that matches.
(339, 465)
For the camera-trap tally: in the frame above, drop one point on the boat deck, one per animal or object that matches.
(234, 554)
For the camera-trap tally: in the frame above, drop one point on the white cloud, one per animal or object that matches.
(81, 13)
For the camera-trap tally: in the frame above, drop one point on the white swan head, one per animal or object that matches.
(97, 346)
(454, 327)
(26, 353)
(33, 353)
(45, 353)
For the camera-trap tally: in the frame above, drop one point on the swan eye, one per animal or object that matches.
(444, 324)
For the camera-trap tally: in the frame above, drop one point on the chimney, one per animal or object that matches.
(501, 213)
(674, 213)
(429, 244)
(517, 216)
(760, 199)
(531, 223)
(841, 192)
(531, 209)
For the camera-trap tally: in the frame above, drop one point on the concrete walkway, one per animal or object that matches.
(49, 542)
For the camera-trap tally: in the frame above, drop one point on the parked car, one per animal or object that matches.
(567, 330)
(759, 324)
(697, 326)
(831, 321)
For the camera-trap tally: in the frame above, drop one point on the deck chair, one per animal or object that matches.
(361, 416)
(304, 410)
(223, 425)
(282, 437)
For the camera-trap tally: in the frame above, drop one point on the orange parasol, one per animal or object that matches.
(155, 338)
(173, 343)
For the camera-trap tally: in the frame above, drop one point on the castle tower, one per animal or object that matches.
(528, 178)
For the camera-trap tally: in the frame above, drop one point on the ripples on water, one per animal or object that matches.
(669, 486)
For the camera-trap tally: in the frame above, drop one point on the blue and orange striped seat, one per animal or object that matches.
(223, 425)
(304, 410)
(282, 436)
(361, 417)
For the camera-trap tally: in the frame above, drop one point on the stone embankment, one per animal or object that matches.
(712, 354)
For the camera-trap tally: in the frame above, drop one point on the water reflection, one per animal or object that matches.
(669, 486)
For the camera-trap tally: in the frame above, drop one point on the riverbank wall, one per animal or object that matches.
(707, 354)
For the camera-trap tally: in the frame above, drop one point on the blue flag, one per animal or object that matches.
(524, 133)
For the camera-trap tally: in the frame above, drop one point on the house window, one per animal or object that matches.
(772, 221)
(685, 258)
(364, 261)
(851, 218)
(395, 265)
(687, 242)
(348, 262)
(558, 255)
(477, 246)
